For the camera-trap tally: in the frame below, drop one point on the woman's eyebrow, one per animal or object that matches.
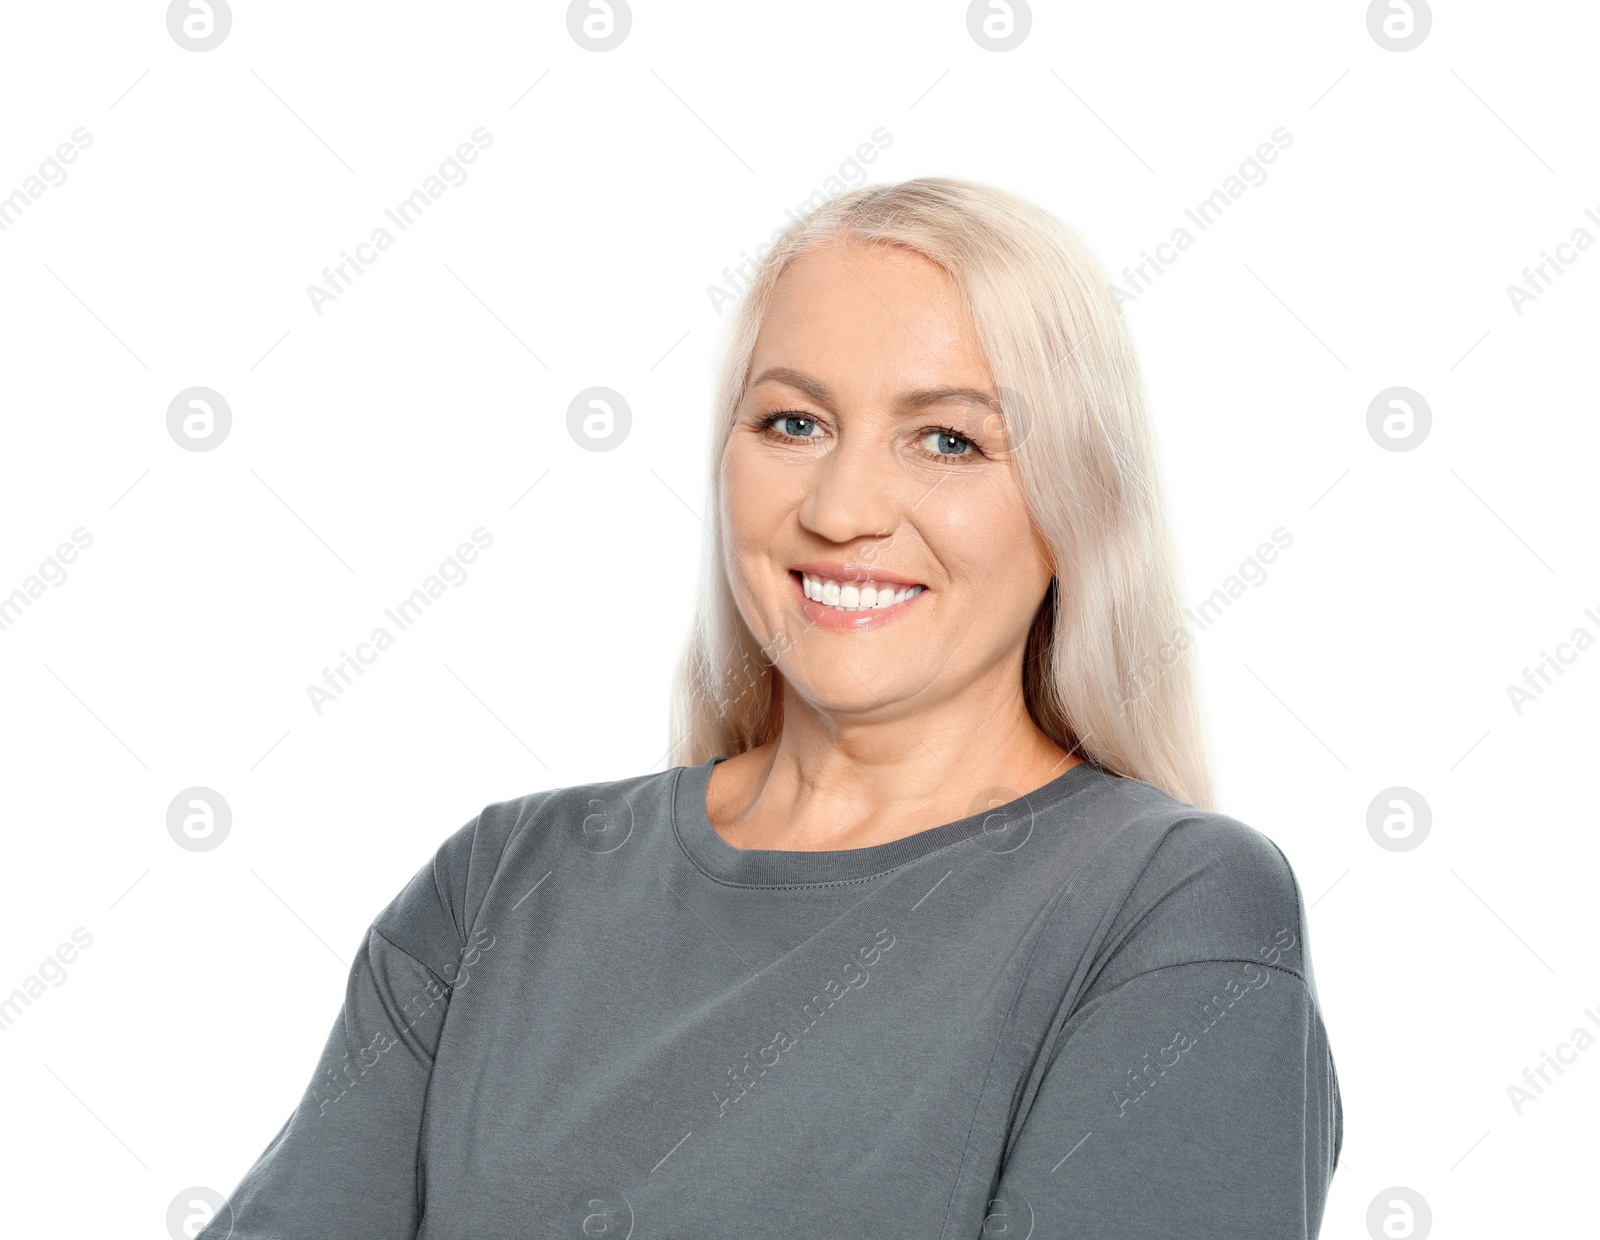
(814, 388)
(918, 399)
(933, 396)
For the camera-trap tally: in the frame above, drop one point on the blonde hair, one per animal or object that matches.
(1108, 672)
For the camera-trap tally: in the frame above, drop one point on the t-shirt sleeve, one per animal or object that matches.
(1191, 1092)
(345, 1161)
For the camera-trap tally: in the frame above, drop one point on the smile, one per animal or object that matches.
(854, 600)
(856, 596)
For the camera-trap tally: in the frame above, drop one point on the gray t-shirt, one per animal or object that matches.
(1088, 1013)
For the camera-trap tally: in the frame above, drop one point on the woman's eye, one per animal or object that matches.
(794, 425)
(946, 443)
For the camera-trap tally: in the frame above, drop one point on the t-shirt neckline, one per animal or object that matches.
(759, 867)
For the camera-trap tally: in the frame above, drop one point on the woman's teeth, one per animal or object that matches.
(856, 596)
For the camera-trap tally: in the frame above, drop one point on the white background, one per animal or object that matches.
(426, 401)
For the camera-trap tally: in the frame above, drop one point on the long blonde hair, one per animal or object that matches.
(1108, 672)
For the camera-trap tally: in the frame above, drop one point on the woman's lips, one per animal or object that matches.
(857, 573)
(827, 616)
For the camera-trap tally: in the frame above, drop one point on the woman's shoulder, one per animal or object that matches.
(1140, 820)
(1192, 884)
(443, 898)
(593, 807)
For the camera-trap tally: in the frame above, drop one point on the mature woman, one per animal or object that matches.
(934, 933)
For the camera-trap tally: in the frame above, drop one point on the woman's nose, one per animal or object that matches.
(856, 491)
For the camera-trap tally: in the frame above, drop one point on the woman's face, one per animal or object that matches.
(866, 456)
